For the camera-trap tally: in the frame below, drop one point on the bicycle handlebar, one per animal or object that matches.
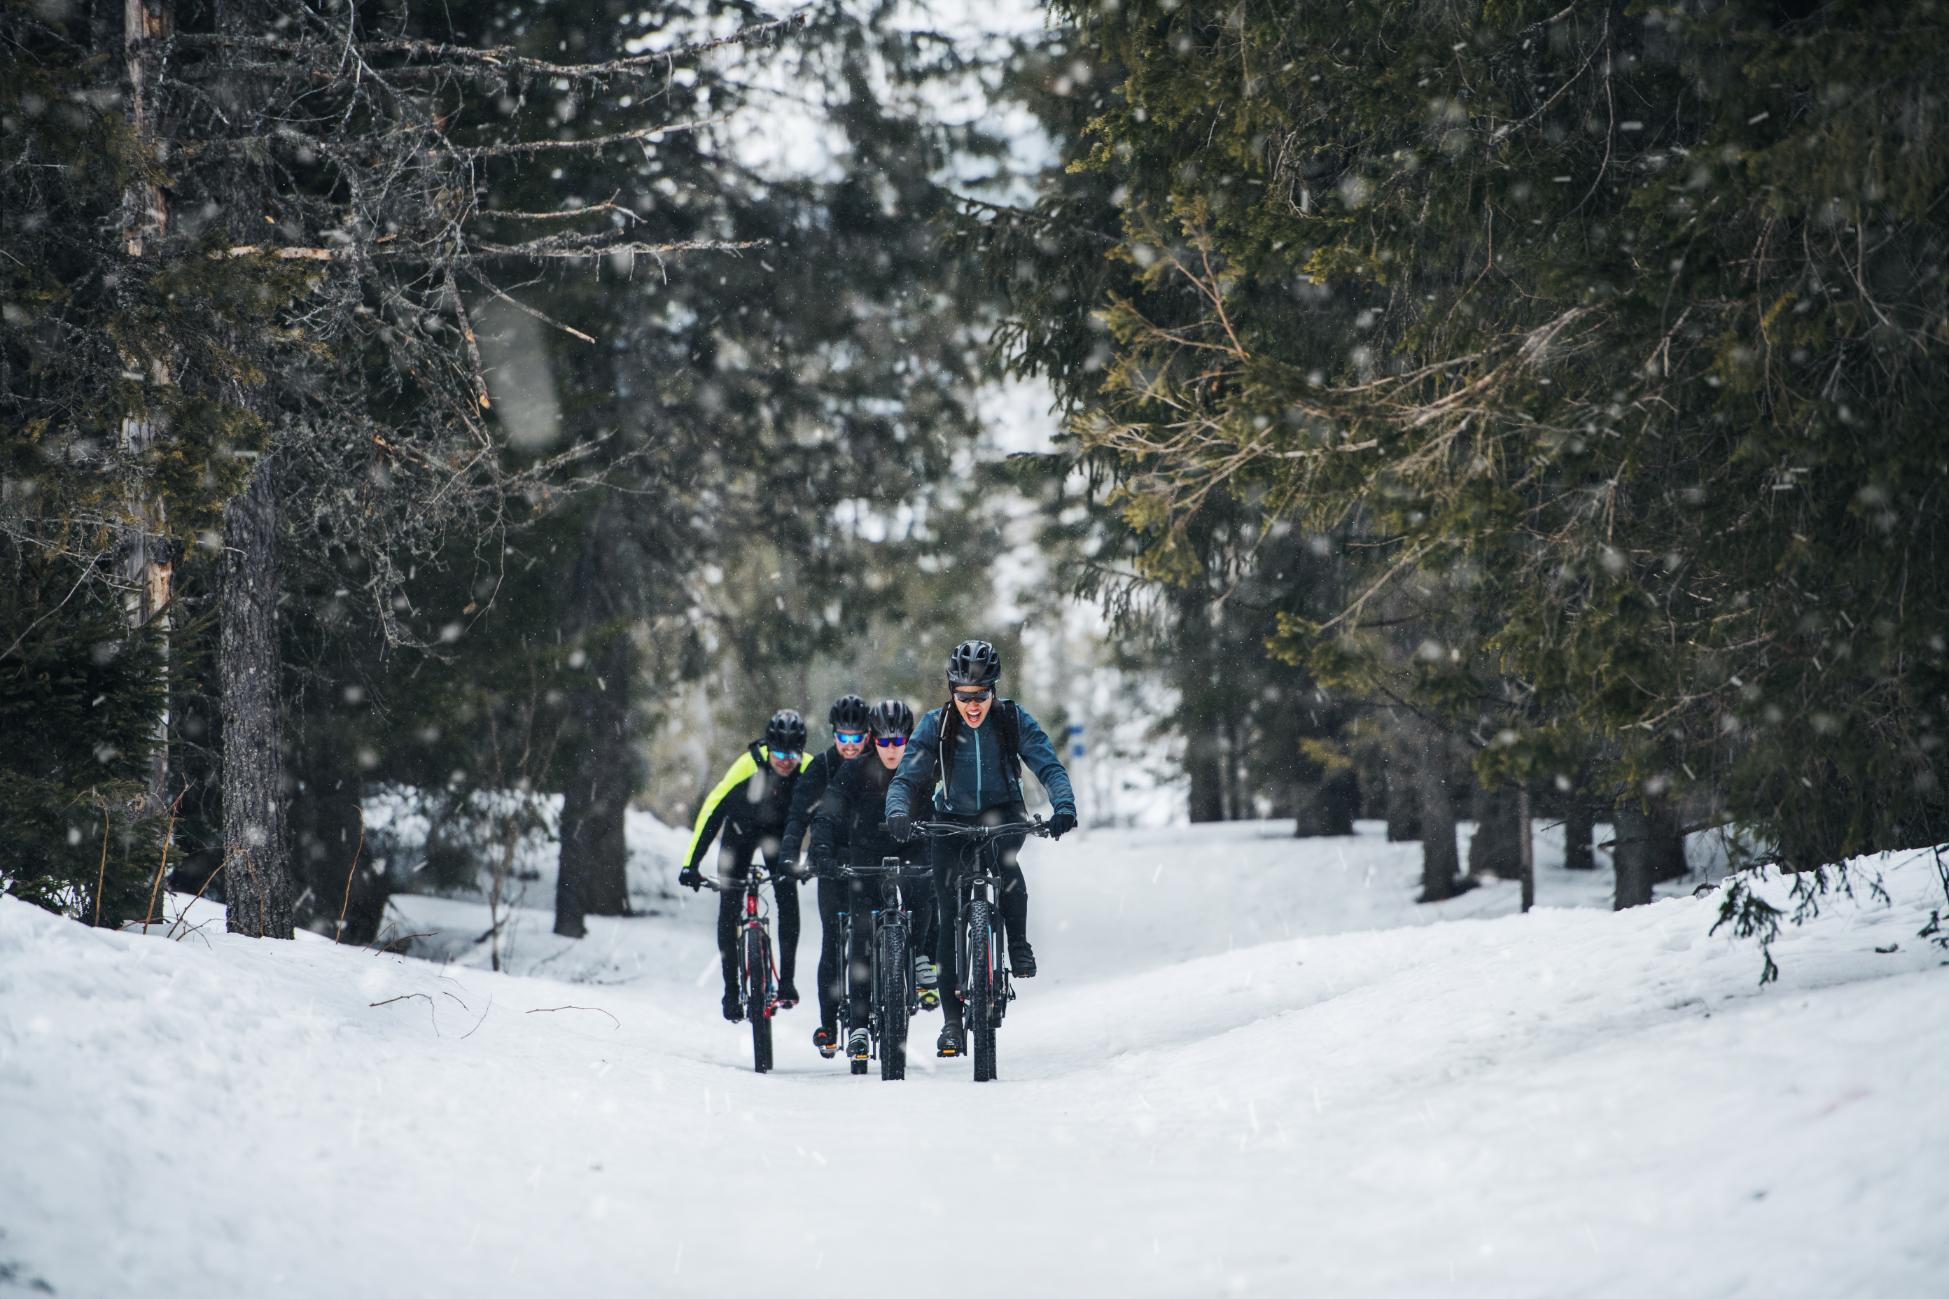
(756, 874)
(955, 830)
(903, 870)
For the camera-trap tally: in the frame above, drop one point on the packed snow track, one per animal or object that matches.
(1251, 1066)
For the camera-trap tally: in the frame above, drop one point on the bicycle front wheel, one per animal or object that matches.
(757, 980)
(896, 967)
(984, 988)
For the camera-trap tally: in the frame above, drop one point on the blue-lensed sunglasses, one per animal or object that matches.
(849, 737)
(890, 741)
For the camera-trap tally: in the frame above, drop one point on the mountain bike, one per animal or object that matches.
(980, 963)
(757, 975)
(893, 996)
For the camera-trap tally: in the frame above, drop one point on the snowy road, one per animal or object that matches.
(1244, 1073)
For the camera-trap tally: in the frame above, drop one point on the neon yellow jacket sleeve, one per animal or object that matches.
(711, 814)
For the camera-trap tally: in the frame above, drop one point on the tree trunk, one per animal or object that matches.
(1633, 852)
(1496, 850)
(1202, 764)
(1327, 804)
(1440, 858)
(1526, 849)
(570, 911)
(594, 851)
(592, 863)
(1667, 843)
(332, 860)
(145, 560)
(1578, 825)
(1402, 793)
(256, 867)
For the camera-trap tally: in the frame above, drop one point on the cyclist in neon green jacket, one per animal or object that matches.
(749, 806)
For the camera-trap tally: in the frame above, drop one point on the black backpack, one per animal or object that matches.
(1011, 727)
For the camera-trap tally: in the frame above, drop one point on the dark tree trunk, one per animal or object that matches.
(1234, 802)
(1440, 858)
(1577, 829)
(1497, 848)
(1202, 763)
(1403, 797)
(256, 865)
(1327, 805)
(333, 862)
(1633, 853)
(594, 852)
(1525, 850)
(570, 911)
(592, 875)
(1667, 843)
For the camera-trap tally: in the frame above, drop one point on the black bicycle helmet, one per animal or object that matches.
(849, 713)
(785, 732)
(974, 663)
(892, 717)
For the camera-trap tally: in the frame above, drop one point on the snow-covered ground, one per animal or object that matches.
(1253, 1065)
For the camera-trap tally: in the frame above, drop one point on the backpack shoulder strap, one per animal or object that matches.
(1011, 719)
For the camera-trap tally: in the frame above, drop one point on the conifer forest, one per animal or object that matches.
(1448, 502)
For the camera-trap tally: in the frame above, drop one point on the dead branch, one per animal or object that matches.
(182, 916)
(431, 1007)
(499, 61)
(523, 307)
(346, 904)
(521, 148)
(549, 1010)
(168, 837)
(101, 879)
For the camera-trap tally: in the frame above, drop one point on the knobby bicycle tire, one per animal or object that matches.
(892, 995)
(757, 965)
(982, 989)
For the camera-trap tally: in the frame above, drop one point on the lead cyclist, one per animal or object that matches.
(964, 764)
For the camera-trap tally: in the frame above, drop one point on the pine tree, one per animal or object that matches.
(1637, 309)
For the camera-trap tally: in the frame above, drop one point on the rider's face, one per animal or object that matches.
(784, 766)
(973, 710)
(849, 751)
(890, 755)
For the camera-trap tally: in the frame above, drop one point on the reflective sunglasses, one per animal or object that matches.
(890, 741)
(849, 737)
(973, 696)
(779, 755)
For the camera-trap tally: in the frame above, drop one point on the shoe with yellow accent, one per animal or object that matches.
(926, 981)
(950, 1043)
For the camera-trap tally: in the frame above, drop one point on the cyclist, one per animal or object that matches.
(978, 768)
(750, 806)
(847, 718)
(851, 826)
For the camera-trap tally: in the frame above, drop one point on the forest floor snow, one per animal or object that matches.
(1252, 1066)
